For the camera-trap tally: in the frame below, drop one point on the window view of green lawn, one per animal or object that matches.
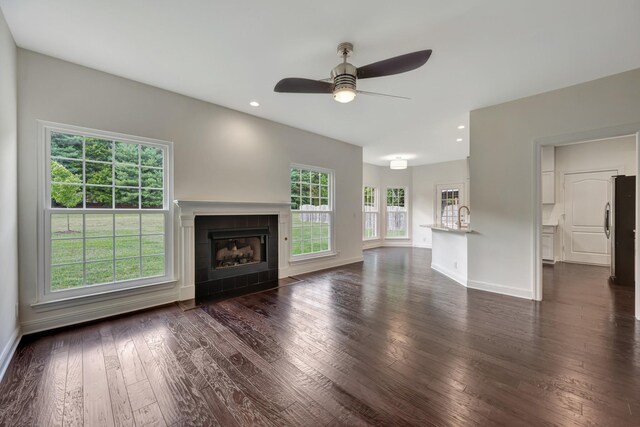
(311, 211)
(102, 224)
(89, 249)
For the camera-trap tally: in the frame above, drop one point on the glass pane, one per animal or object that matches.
(126, 153)
(324, 179)
(127, 224)
(295, 189)
(99, 225)
(63, 170)
(66, 145)
(64, 251)
(152, 199)
(98, 173)
(98, 149)
(66, 226)
(305, 189)
(305, 176)
(324, 202)
(152, 266)
(66, 276)
(315, 177)
(127, 246)
(152, 224)
(152, 178)
(325, 245)
(295, 175)
(152, 156)
(152, 245)
(127, 176)
(127, 198)
(99, 248)
(127, 269)
(296, 248)
(66, 196)
(99, 197)
(99, 272)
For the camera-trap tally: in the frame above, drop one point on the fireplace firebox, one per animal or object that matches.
(235, 254)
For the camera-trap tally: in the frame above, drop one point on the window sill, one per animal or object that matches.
(371, 239)
(74, 301)
(398, 238)
(312, 257)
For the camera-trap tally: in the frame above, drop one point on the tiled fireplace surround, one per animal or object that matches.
(189, 210)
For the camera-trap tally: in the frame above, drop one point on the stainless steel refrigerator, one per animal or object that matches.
(620, 228)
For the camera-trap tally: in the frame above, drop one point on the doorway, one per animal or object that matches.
(579, 220)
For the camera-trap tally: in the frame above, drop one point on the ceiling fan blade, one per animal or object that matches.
(297, 85)
(364, 92)
(397, 65)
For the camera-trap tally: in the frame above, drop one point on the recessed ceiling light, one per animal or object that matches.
(254, 103)
(461, 127)
(459, 140)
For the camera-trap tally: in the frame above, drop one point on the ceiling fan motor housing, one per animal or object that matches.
(344, 76)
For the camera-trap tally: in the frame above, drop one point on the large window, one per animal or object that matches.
(397, 213)
(450, 198)
(370, 212)
(311, 211)
(106, 214)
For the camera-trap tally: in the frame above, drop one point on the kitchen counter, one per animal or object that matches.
(463, 230)
(449, 252)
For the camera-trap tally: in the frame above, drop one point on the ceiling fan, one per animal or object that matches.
(342, 83)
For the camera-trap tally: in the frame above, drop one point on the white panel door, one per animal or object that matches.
(585, 196)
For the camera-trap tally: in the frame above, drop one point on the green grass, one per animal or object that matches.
(129, 246)
(309, 236)
(396, 233)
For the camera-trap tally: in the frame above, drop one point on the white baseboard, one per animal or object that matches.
(302, 268)
(500, 289)
(8, 351)
(450, 274)
(423, 246)
(187, 292)
(397, 243)
(94, 313)
(370, 244)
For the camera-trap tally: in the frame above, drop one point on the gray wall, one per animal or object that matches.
(8, 195)
(211, 144)
(501, 253)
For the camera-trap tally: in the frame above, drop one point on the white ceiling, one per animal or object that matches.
(230, 52)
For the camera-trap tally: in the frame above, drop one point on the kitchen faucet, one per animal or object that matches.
(460, 214)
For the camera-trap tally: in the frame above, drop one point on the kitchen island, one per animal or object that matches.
(449, 252)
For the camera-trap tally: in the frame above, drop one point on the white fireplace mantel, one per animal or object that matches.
(189, 209)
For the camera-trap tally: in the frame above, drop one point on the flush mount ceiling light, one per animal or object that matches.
(398, 163)
(459, 140)
(461, 127)
(254, 103)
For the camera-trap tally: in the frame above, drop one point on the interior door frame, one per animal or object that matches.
(568, 139)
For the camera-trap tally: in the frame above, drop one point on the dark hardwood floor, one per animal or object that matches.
(386, 342)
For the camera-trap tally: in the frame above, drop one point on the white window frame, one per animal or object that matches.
(445, 186)
(45, 294)
(375, 212)
(331, 212)
(386, 213)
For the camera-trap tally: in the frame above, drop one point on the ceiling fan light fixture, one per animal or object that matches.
(344, 94)
(398, 163)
